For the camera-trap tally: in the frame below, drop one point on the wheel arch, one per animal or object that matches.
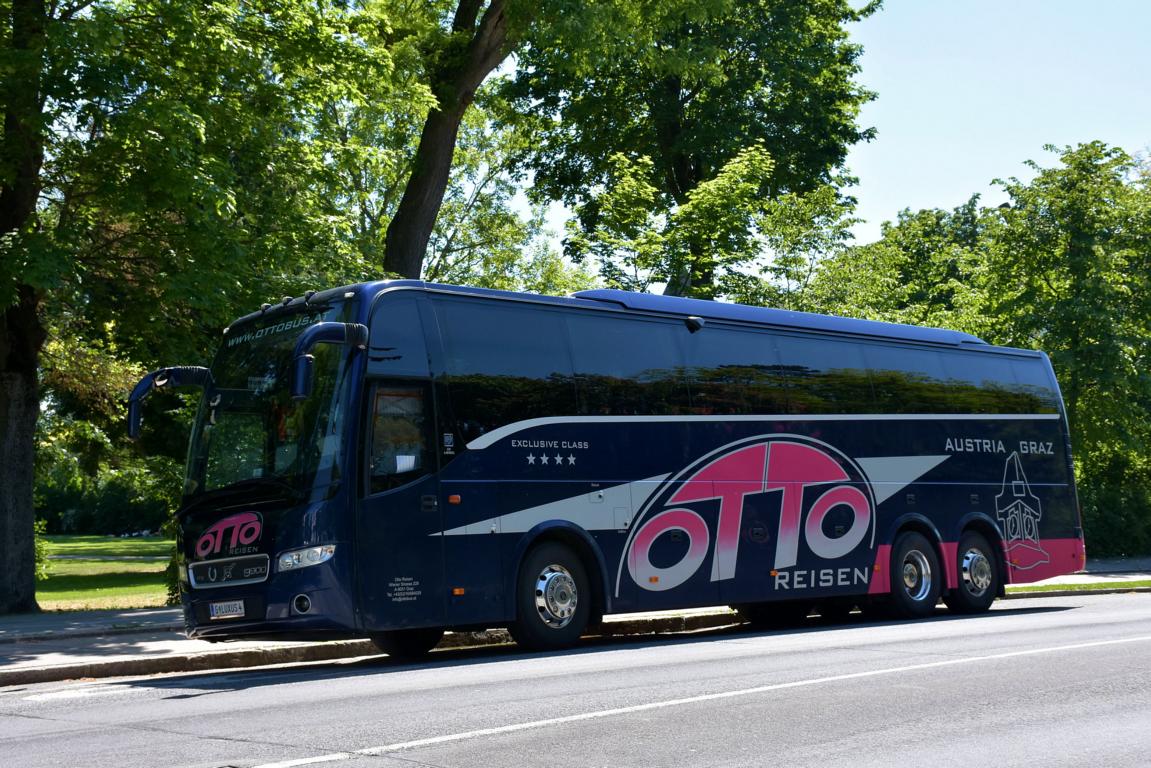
(581, 542)
(985, 526)
(922, 525)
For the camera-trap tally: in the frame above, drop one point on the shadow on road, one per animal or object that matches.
(195, 685)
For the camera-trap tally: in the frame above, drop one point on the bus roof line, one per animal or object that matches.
(781, 318)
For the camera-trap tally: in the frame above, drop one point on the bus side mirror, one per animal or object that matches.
(303, 363)
(179, 376)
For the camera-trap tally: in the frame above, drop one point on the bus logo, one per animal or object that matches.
(809, 480)
(1019, 511)
(233, 532)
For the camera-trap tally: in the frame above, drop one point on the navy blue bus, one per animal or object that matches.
(394, 458)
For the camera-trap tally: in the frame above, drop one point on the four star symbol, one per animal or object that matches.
(545, 459)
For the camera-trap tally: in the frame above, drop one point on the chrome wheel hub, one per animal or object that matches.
(556, 596)
(977, 573)
(916, 575)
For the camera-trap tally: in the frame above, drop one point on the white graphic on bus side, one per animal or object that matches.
(1019, 512)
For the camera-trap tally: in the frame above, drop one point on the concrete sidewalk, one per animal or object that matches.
(63, 645)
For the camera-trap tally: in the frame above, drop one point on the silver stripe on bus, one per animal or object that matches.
(485, 441)
(605, 509)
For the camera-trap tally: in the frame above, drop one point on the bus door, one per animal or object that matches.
(399, 525)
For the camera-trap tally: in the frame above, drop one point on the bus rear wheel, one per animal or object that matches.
(978, 576)
(915, 582)
(408, 644)
(553, 599)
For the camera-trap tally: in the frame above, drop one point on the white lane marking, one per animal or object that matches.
(311, 760)
(499, 730)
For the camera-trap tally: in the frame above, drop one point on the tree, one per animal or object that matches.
(1063, 267)
(21, 331)
(729, 239)
(1069, 270)
(459, 59)
(689, 88)
(922, 271)
(155, 168)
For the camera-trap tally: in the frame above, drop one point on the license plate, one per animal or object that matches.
(226, 609)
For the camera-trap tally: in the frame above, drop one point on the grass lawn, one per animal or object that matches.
(1082, 587)
(95, 572)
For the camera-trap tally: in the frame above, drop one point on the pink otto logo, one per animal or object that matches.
(788, 465)
(244, 528)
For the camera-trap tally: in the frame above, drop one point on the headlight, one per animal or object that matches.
(294, 559)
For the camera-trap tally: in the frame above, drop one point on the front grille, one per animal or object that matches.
(251, 569)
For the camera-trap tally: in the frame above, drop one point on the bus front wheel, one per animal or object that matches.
(915, 577)
(978, 576)
(553, 599)
(408, 644)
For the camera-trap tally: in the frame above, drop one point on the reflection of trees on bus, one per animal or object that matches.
(485, 402)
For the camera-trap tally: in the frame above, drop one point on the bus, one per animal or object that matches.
(396, 458)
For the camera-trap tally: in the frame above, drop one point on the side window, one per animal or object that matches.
(1033, 379)
(735, 371)
(982, 382)
(628, 366)
(399, 440)
(505, 362)
(907, 379)
(825, 375)
(396, 346)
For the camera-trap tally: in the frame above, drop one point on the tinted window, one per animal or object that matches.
(396, 346)
(983, 383)
(824, 375)
(907, 379)
(505, 362)
(629, 366)
(399, 449)
(735, 371)
(1033, 379)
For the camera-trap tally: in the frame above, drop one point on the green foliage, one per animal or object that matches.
(86, 483)
(686, 92)
(40, 545)
(726, 239)
(1064, 267)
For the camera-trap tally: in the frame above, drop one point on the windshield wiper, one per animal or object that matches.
(254, 488)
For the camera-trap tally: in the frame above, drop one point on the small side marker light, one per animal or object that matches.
(774, 572)
(457, 591)
(653, 579)
(454, 499)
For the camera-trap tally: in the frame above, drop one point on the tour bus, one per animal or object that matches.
(397, 458)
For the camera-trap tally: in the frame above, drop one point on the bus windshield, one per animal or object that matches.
(249, 428)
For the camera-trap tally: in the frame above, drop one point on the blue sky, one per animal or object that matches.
(969, 90)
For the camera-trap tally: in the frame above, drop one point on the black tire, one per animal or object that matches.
(915, 577)
(777, 615)
(978, 575)
(408, 644)
(553, 599)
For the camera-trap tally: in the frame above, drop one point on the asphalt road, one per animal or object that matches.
(1052, 682)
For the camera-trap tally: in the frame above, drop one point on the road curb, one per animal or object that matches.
(208, 661)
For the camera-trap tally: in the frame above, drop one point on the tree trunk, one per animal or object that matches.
(406, 242)
(19, 409)
(21, 332)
